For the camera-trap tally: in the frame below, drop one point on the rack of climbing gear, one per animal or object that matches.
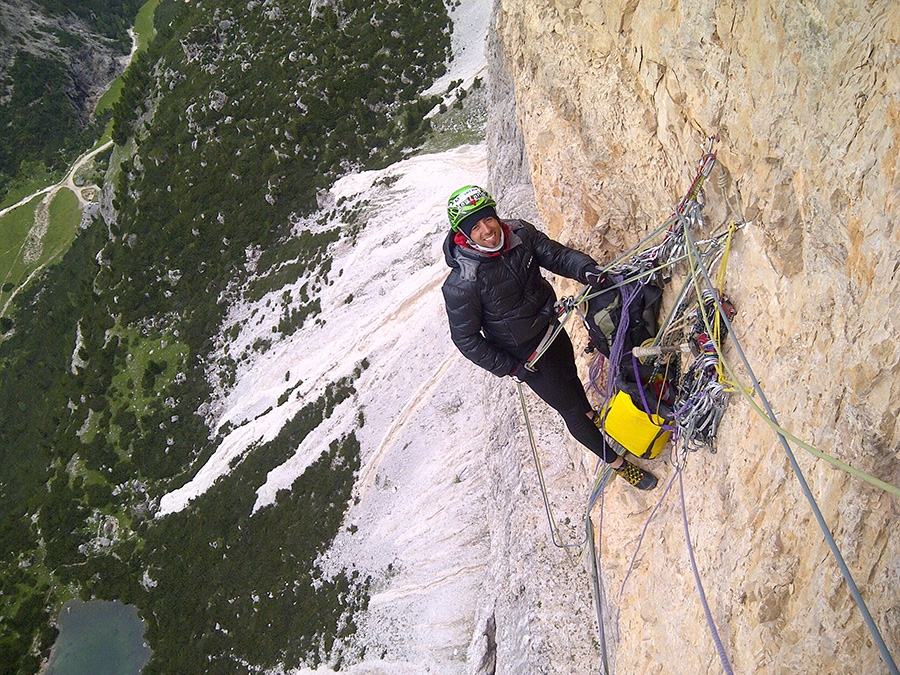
(645, 394)
(644, 405)
(644, 402)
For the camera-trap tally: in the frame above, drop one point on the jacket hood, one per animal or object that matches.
(450, 248)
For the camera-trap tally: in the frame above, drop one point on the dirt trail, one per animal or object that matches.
(32, 247)
(67, 182)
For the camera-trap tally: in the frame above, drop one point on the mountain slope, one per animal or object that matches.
(56, 59)
(107, 363)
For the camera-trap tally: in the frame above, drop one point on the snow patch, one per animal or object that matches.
(471, 21)
(393, 272)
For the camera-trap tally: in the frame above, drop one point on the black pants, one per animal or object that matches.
(557, 383)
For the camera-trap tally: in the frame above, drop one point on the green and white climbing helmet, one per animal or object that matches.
(467, 203)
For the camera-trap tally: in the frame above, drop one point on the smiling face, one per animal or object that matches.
(487, 232)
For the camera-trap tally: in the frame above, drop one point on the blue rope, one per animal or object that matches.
(845, 571)
(709, 619)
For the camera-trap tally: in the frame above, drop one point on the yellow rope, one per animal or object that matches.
(717, 323)
(747, 392)
(862, 475)
(711, 331)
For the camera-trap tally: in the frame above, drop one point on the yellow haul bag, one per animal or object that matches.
(628, 425)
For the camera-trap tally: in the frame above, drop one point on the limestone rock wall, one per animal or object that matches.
(612, 102)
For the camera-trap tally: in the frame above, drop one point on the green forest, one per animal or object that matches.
(227, 127)
(42, 109)
(109, 19)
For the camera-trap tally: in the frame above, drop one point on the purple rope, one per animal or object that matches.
(618, 346)
(594, 372)
(637, 376)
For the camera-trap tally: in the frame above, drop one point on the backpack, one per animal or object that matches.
(604, 314)
(624, 418)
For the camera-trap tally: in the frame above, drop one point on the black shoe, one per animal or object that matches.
(636, 476)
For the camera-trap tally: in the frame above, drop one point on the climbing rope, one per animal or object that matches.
(596, 580)
(703, 392)
(710, 360)
(704, 388)
(709, 618)
(555, 535)
(823, 525)
(641, 538)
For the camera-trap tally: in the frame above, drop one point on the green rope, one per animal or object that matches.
(804, 486)
(834, 461)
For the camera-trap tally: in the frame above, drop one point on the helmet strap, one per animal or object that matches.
(484, 249)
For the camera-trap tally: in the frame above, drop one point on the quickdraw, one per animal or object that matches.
(701, 392)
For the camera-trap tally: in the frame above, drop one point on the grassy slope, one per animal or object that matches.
(14, 226)
(64, 216)
(14, 229)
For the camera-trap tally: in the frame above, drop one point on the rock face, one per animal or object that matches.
(603, 106)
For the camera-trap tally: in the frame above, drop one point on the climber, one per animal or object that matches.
(500, 309)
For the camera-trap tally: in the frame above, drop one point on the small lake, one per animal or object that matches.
(99, 638)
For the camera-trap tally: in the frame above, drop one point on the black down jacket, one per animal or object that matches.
(500, 306)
